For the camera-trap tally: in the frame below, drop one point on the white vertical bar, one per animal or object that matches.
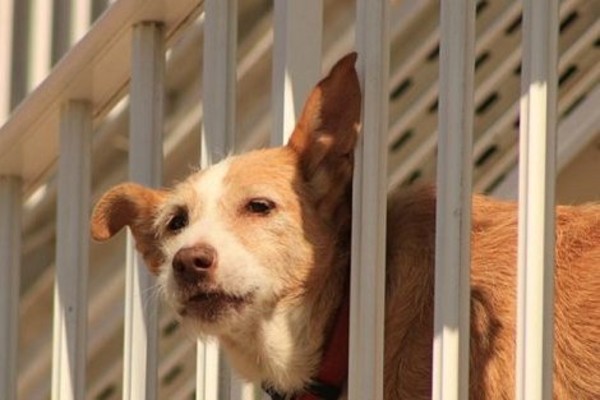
(218, 92)
(145, 167)
(72, 20)
(10, 269)
(453, 222)
(70, 290)
(296, 61)
(297, 41)
(40, 41)
(535, 293)
(367, 282)
(6, 42)
(81, 18)
(214, 379)
(20, 60)
(241, 390)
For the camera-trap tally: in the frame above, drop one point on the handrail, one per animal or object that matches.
(96, 69)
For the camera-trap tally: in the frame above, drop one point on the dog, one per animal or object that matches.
(255, 251)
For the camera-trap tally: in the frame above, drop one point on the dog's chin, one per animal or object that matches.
(212, 307)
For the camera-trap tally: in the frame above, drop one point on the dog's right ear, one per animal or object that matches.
(327, 132)
(132, 205)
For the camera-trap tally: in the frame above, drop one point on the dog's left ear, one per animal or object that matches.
(135, 206)
(327, 130)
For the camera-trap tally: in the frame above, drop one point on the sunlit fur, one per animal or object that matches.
(409, 302)
(291, 265)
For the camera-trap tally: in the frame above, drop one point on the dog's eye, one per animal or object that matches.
(178, 221)
(260, 206)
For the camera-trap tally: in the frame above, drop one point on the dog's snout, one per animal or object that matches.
(194, 262)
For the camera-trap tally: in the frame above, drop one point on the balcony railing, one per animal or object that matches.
(74, 77)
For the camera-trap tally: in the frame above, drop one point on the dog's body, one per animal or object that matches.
(409, 302)
(256, 251)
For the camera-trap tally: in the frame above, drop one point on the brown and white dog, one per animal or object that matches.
(255, 251)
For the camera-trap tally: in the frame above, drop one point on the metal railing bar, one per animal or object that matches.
(296, 61)
(72, 19)
(40, 42)
(20, 58)
(453, 221)
(140, 369)
(6, 45)
(70, 290)
(367, 280)
(219, 80)
(214, 379)
(537, 171)
(10, 270)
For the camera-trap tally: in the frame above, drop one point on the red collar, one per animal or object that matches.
(329, 382)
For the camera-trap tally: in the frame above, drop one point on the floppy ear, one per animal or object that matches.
(327, 131)
(132, 205)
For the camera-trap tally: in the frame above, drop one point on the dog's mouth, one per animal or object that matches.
(209, 305)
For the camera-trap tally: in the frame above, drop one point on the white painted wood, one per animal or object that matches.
(214, 378)
(241, 389)
(72, 243)
(145, 167)
(209, 367)
(81, 18)
(72, 19)
(367, 283)
(298, 29)
(200, 370)
(40, 42)
(218, 91)
(97, 68)
(62, 36)
(537, 170)
(6, 40)
(453, 222)
(10, 271)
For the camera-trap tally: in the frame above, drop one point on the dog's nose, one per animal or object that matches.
(192, 263)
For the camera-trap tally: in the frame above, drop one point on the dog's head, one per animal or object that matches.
(232, 241)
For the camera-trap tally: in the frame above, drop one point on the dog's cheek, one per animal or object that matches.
(167, 286)
(288, 258)
(241, 271)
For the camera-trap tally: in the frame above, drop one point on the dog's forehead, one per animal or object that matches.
(263, 167)
(210, 179)
(262, 170)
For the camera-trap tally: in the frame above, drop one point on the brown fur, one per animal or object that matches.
(304, 246)
(409, 309)
(135, 206)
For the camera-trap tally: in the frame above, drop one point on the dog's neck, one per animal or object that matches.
(284, 352)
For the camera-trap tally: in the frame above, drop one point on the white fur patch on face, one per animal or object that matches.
(238, 271)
